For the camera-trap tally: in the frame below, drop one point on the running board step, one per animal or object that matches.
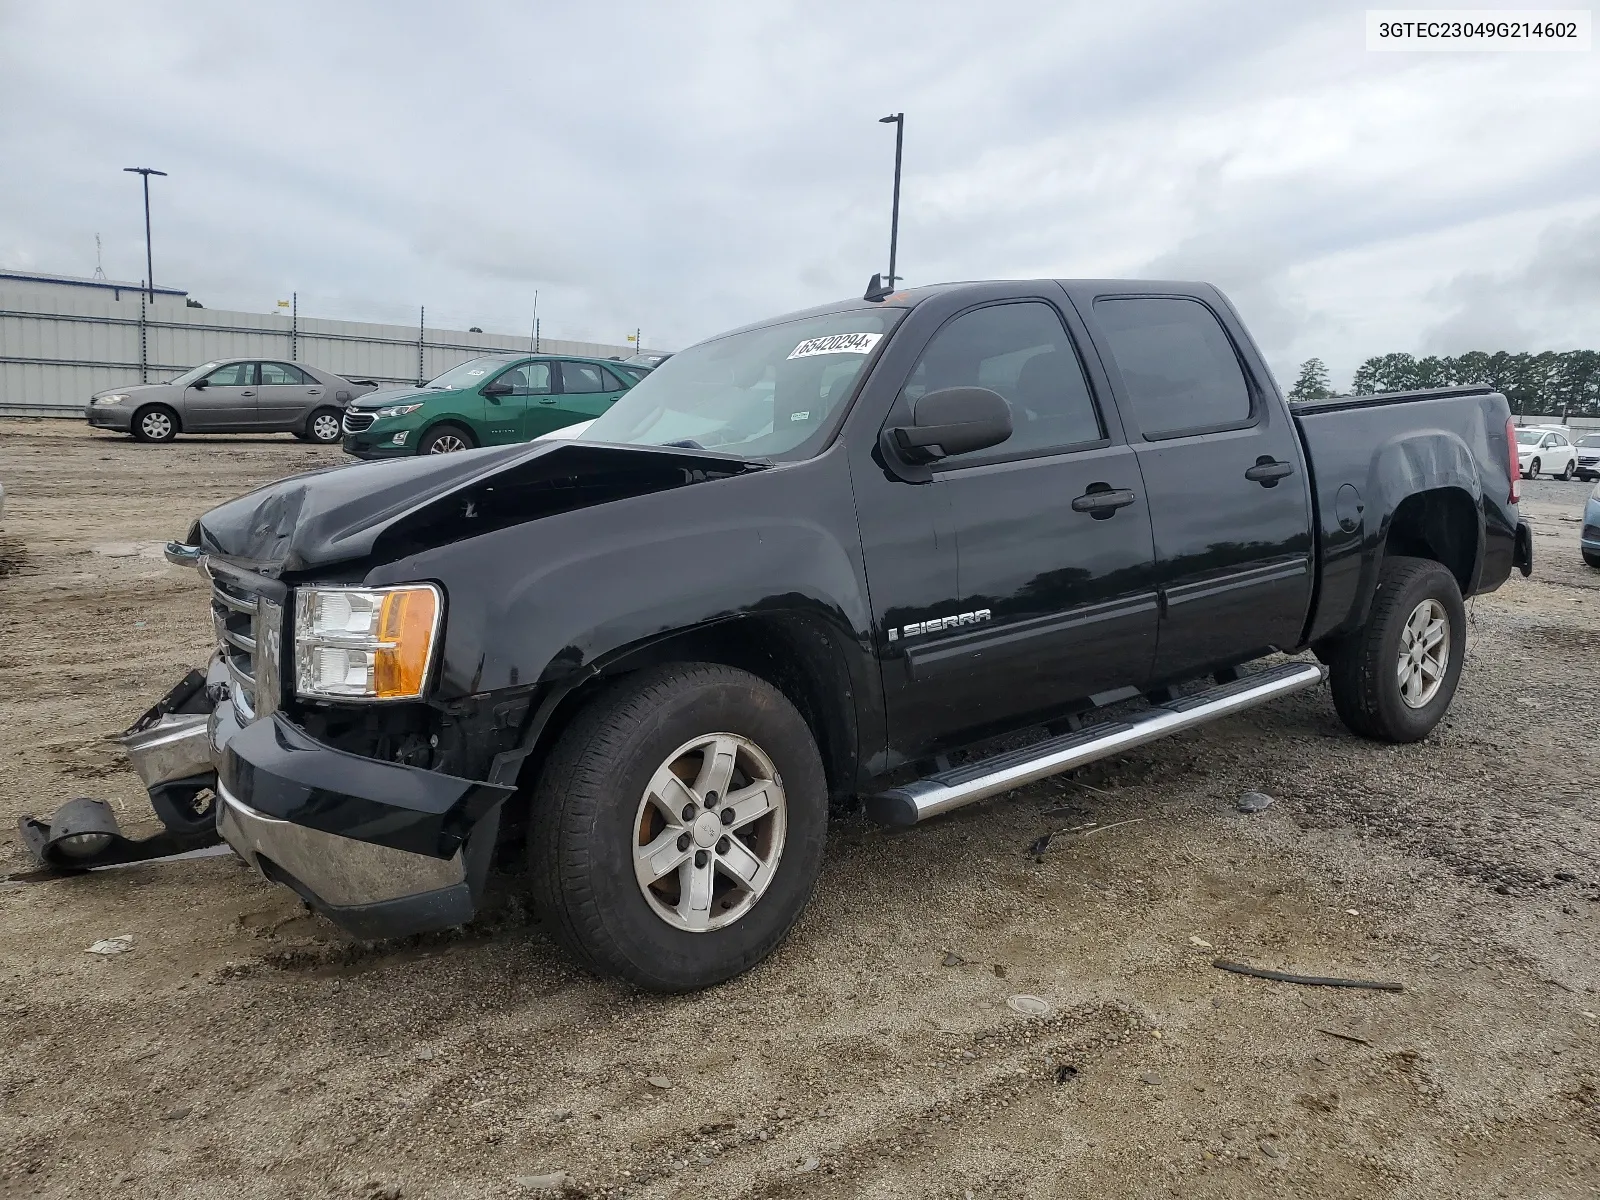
(940, 793)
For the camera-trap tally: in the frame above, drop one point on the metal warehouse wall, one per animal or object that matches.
(55, 350)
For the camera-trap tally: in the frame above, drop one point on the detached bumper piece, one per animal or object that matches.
(383, 850)
(83, 836)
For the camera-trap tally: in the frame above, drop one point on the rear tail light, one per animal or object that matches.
(1516, 465)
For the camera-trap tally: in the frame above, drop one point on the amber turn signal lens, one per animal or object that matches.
(405, 634)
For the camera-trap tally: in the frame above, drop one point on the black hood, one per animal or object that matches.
(382, 510)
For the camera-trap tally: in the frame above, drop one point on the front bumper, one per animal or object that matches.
(382, 849)
(378, 442)
(109, 416)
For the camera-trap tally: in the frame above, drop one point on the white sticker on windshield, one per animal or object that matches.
(475, 371)
(837, 343)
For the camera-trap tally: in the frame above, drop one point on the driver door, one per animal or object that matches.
(227, 402)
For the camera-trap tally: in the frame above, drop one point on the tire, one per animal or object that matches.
(593, 806)
(1366, 671)
(445, 439)
(154, 423)
(319, 429)
(1592, 557)
(1566, 474)
(1533, 470)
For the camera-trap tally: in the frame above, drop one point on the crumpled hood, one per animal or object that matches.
(388, 508)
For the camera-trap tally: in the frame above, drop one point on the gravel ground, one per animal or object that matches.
(246, 1048)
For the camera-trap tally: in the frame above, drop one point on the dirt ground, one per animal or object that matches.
(245, 1048)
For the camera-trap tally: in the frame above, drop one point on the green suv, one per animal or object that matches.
(489, 401)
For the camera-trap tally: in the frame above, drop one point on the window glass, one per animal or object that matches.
(617, 378)
(767, 392)
(1180, 369)
(233, 375)
(272, 372)
(528, 379)
(1021, 351)
(583, 377)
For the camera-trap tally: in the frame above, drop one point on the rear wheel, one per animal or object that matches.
(154, 423)
(445, 439)
(1566, 472)
(678, 826)
(323, 427)
(1393, 679)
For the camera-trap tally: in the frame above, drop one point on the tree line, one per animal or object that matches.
(1554, 382)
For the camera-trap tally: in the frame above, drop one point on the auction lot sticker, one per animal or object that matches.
(837, 343)
(1525, 29)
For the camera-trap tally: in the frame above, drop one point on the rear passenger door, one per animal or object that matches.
(1052, 536)
(287, 396)
(1229, 499)
(587, 390)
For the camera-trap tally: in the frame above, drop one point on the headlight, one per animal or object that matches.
(398, 410)
(114, 398)
(365, 643)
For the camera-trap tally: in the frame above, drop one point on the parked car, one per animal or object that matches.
(236, 395)
(489, 401)
(1546, 450)
(1589, 539)
(649, 359)
(1588, 448)
(805, 560)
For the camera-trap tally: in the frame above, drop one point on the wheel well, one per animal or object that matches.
(1441, 524)
(792, 653)
(453, 422)
(177, 419)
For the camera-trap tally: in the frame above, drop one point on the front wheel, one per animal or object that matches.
(323, 427)
(157, 423)
(1393, 678)
(1533, 470)
(678, 826)
(445, 439)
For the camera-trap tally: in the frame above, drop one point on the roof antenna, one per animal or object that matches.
(99, 269)
(876, 291)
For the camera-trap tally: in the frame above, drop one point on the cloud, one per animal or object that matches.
(694, 167)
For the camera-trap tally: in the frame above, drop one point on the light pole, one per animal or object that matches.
(149, 268)
(898, 120)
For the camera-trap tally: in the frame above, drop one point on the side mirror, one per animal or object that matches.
(497, 388)
(955, 420)
(200, 383)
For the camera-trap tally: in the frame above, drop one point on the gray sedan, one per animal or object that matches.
(237, 395)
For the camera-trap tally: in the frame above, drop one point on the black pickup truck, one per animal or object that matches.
(808, 560)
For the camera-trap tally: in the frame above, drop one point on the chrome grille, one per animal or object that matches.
(249, 633)
(357, 422)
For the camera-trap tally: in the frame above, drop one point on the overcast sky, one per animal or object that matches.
(690, 167)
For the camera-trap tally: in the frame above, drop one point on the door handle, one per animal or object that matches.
(1102, 500)
(1267, 471)
(248, 392)
(313, 391)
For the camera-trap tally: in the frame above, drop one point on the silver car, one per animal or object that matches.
(236, 395)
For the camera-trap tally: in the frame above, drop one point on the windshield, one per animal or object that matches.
(194, 373)
(763, 393)
(1529, 437)
(1589, 439)
(468, 374)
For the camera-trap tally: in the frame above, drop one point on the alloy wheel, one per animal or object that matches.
(447, 443)
(1424, 653)
(709, 831)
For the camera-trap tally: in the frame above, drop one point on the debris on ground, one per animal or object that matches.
(952, 959)
(1343, 1037)
(1029, 1006)
(1197, 940)
(658, 1081)
(120, 944)
(555, 1181)
(1254, 802)
(1308, 980)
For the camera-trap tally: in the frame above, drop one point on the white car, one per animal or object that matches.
(1545, 450)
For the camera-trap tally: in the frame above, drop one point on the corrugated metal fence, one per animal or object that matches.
(55, 350)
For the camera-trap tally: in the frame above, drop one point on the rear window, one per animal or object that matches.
(1177, 363)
